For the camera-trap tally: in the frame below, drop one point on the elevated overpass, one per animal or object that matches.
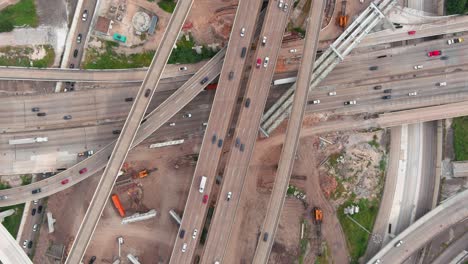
(219, 121)
(448, 213)
(10, 251)
(129, 131)
(288, 152)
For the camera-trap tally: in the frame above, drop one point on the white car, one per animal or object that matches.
(265, 62)
(418, 67)
(264, 40)
(293, 50)
(399, 243)
(316, 101)
(25, 243)
(285, 8)
(229, 196)
(187, 115)
(442, 84)
(85, 15)
(35, 228)
(183, 68)
(413, 94)
(332, 93)
(184, 247)
(242, 33)
(195, 232)
(35, 201)
(172, 124)
(280, 4)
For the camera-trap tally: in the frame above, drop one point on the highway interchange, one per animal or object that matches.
(435, 71)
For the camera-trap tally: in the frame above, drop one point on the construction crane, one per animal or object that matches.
(342, 17)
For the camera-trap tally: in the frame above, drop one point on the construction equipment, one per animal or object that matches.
(342, 17)
(318, 215)
(141, 174)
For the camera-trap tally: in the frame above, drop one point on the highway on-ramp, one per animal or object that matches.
(129, 131)
(10, 251)
(448, 213)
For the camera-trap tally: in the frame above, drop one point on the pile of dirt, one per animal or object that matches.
(221, 24)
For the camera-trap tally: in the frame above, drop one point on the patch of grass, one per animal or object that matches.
(356, 237)
(12, 223)
(21, 14)
(324, 258)
(167, 5)
(4, 185)
(26, 179)
(383, 164)
(299, 31)
(460, 137)
(110, 59)
(20, 56)
(304, 242)
(374, 142)
(185, 54)
(340, 189)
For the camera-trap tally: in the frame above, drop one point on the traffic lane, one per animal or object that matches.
(32, 225)
(442, 217)
(83, 29)
(453, 250)
(155, 120)
(218, 124)
(215, 250)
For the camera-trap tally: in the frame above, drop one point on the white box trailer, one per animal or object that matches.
(202, 184)
(27, 140)
(284, 81)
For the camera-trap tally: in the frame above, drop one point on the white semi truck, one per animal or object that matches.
(27, 140)
(284, 81)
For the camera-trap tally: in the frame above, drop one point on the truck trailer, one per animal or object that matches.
(27, 140)
(285, 81)
(118, 205)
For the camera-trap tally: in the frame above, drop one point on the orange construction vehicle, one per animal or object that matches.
(118, 205)
(317, 215)
(141, 174)
(342, 17)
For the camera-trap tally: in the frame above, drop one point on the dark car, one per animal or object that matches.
(387, 91)
(41, 114)
(38, 190)
(373, 68)
(39, 209)
(147, 92)
(444, 58)
(91, 261)
(33, 211)
(30, 244)
(377, 87)
(115, 132)
(72, 65)
(75, 53)
(247, 102)
(182, 233)
(231, 75)
(129, 99)
(244, 50)
(381, 56)
(265, 236)
(387, 97)
(35, 109)
(213, 139)
(220, 142)
(67, 117)
(242, 146)
(204, 80)
(237, 142)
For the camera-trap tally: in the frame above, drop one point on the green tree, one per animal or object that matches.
(456, 6)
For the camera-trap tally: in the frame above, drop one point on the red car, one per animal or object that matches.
(205, 198)
(259, 62)
(412, 32)
(65, 181)
(84, 170)
(434, 53)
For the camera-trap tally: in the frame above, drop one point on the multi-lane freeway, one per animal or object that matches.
(288, 152)
(219, 122)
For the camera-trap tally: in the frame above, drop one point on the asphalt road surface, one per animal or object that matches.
(129, 131)
(246, 132)
(288, 152)
(219, 121)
